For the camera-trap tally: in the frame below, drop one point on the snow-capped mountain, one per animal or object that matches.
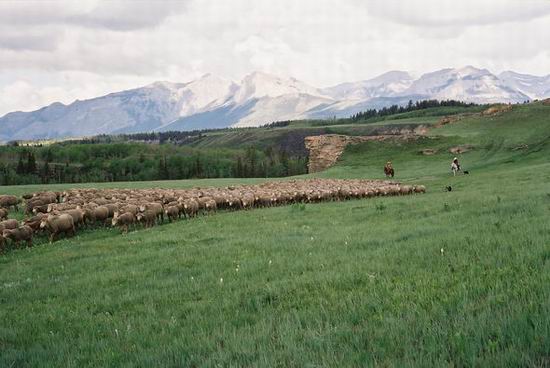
(260, 98)
(467, 84)
(530, 85)
(388, 85)
(259, 85)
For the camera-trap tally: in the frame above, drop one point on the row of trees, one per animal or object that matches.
(73, 163)
(418, 105)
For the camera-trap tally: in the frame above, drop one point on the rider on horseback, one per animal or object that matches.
(455, 166)
(388, 169)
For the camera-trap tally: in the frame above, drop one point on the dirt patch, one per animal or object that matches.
(461, 149)
(428, 151)
(496, 110)
(446, 120)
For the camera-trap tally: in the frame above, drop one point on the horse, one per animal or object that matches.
(388, 170)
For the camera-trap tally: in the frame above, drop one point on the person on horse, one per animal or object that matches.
(388, 169)
(455, 166)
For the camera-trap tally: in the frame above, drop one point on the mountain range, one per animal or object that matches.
(260, 98)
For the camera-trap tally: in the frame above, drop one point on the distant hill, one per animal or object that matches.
(260, 98)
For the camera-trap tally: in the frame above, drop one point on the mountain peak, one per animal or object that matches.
(211, 101)
(469, 70)
(260, 84)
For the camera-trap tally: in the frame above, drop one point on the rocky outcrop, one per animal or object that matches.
(325, 150)
(447, 120)
(496, 110)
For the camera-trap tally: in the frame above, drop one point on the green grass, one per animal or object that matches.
(445, 279)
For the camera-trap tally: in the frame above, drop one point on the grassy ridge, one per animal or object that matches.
(441, 279)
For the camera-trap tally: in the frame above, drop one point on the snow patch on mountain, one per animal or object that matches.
(388, 84)
(533, 86)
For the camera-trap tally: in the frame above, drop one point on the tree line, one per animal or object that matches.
(418, 105)
(105, 162)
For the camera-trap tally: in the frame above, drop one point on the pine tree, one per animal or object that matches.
(45, 173)
(20, 169)
(285, 163)
(31, 163)
(239, 170)
(162, 169)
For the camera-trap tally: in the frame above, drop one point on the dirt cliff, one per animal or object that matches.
(324, 150)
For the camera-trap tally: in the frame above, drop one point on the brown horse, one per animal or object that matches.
(388, 169)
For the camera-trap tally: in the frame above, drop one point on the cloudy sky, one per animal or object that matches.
(76, 49)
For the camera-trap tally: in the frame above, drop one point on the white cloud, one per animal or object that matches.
(63, 50)
(121, 15)
(445, 13)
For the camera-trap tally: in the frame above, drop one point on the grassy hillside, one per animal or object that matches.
(443, 279)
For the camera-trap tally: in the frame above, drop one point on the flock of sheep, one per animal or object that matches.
(65, 212)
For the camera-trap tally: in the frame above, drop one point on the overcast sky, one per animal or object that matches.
(66, 50)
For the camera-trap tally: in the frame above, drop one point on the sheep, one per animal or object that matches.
(8, 224)
(234, 203)
(210, 206)
(17, 235)
(3, 214)
(155, 207)
(8, 201)
(34, 202)
(61, 207)
(168, 198)
(262, 200)
(147, 217)
(88, 216)
(100, 213)
(57, 224)
(40, 209)
(247, 201)
(406, 189)
(34, 222)
(113, 207)
(50, 197)
(124, 221)
(117, 206)
(77, 215)
(419, 189)
(172, 213)
(132, 208)
(190, 208)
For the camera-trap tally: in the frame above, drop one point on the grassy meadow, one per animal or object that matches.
(444, 279)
